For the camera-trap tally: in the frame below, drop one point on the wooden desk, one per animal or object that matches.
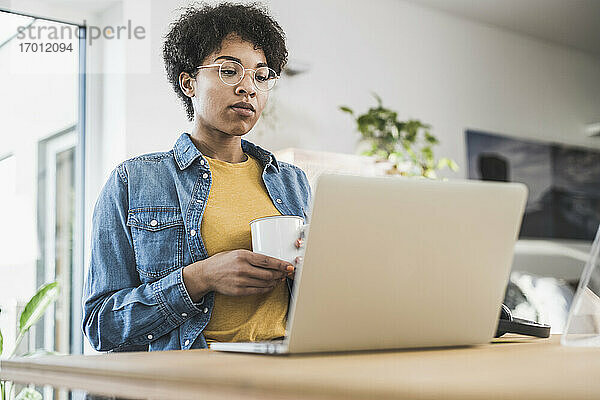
(514, 368)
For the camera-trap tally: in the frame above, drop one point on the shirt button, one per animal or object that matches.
(198, 200)
(204, 176)
(187, 342)
(201, 162)
(279, 201)
(205, 310)
(183, 314)
(153, 222)
(150, 337)
(193, 232)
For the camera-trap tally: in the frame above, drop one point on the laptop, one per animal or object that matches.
(396, 263)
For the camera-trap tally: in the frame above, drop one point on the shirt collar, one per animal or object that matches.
(186, 152)
(265, 157)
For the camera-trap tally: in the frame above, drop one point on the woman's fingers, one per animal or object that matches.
(297, 261)
(265, 274)
(260, 260)
(259, 283)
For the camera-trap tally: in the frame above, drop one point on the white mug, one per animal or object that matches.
(276, 236)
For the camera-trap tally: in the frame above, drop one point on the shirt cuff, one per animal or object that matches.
(173, 298)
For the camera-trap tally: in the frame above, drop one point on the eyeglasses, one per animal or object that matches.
(232, 73)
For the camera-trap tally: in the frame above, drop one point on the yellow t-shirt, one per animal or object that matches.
(237, 196)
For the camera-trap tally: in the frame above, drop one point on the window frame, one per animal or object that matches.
(77, 276)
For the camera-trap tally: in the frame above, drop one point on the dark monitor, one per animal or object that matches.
(563, 182)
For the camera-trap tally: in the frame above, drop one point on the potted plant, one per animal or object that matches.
(33, 311)
(406, 145)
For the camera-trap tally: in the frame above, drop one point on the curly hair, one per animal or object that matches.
(200, 31)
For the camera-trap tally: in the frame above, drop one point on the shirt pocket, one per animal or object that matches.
(158, 234)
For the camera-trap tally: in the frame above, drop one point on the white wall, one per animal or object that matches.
(450, 72)
(447, 71)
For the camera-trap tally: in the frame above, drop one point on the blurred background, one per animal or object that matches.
(510, 88)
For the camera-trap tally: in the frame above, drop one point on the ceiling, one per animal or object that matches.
(573, 23)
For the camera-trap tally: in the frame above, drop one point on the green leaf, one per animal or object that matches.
(379, 102)
(430, 173)
(446, 162)
(382, 154)
(413, 156)
(453, 165)
(429, 138)
(347, 109)
(1, 343)
(367, 125)
(36, 307)
(427, 153)
(29, 394)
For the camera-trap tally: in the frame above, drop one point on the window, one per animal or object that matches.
(42, 124)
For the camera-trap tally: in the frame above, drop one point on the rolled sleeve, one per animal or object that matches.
(173, 298)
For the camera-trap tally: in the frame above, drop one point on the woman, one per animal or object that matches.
(171, 266)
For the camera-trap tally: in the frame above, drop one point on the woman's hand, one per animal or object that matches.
(235, 273)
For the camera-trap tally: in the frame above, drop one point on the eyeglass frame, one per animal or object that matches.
(244, 69)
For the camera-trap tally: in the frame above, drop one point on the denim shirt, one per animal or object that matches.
(145, 229)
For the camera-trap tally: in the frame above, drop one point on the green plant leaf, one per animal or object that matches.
(427, 153)
(429, 138)
(347, 109)
(382, 154)
(1, 342)
(399, 126)
(367, 125)
(29, 394)
(408, 145)
(453, 165)
(379, 102)
(430, 173)
(446, 162)
(36, 307)
(413, 156)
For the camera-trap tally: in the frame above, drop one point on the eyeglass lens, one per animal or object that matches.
(231, 73)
